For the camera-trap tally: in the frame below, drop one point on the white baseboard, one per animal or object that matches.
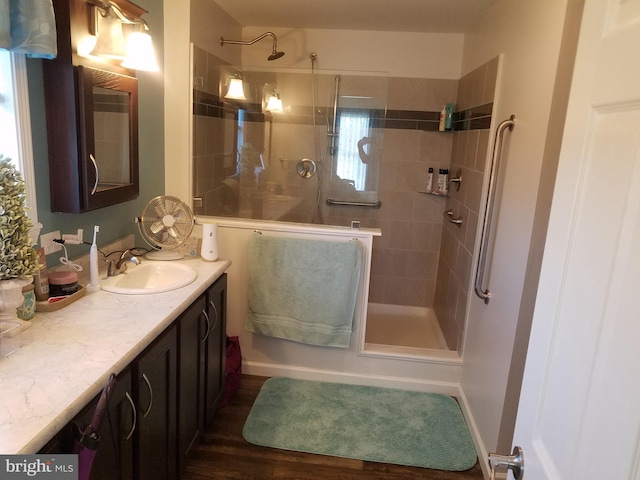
(273, 370)
(481, 449)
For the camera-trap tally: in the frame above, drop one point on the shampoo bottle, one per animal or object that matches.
(443, 115)
(430, 180)
(442, 182)
(448, 118)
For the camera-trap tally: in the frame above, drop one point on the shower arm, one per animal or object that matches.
(257, 39)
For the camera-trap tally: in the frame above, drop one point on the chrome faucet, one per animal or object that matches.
(120, 266)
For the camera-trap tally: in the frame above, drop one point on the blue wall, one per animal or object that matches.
(118, 220)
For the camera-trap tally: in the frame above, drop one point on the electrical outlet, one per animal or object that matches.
(46, 242)
(72, 239)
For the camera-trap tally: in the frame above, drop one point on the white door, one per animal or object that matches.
(579, 411)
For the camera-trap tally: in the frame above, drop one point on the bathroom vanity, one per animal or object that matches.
(168, 352)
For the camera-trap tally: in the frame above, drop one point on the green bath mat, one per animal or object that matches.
(364, 423)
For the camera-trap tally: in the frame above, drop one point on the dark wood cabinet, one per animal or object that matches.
(114, 453)
(108, 133)
(114, 456)
(89, 167)
(201, 366)
(216, 347)
(156, 394)
(163, 401)
(192, 338)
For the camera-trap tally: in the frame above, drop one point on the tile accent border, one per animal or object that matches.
(475, 118)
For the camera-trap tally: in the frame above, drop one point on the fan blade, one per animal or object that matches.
(172, 231)
(160, 209)
(156, 227)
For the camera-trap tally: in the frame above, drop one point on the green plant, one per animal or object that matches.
(249, 159)
(17, 257)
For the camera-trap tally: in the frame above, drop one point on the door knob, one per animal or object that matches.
(513, 462)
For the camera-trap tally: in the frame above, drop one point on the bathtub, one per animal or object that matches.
(405, 332)
(360, 363)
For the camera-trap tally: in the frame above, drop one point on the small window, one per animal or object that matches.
(354, 125)
(15, 123)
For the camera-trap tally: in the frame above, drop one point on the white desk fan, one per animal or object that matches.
(165, 223)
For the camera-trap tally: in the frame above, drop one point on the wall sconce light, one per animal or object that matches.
(140, 54)
(274, 104)
(236, 89)
(271, 100)
(122, 37)
(109, 37)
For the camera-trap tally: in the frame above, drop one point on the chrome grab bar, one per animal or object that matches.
(485, 293)
(449, 216)
(331, 201)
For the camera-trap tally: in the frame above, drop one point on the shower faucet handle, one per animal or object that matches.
(457, 179)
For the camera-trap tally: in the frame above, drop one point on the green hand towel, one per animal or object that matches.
(303, 290)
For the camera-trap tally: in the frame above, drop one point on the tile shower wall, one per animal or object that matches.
(405, 257)
(469, 154)
(414, 248)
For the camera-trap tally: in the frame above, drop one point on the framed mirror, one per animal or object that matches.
(108, 128)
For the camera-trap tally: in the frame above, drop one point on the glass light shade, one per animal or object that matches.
(236, 90)
(140, 54)
(274, 104)
(110, 42)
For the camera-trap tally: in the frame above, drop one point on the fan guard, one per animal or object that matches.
(166, 223)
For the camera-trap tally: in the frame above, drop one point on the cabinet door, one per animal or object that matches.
(114, 458)
(114, 454)
(193, 329)
(216, 346)
(155, 376)
(90, 111)
(107, 108)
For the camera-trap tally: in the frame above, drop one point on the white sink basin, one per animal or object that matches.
(150, 277)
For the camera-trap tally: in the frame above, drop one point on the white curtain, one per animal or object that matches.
(354, 126)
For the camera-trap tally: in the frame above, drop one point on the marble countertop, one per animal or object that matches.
(67, 355)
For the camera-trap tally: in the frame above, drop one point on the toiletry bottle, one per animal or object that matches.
(448, 119)
(443, 115)
(442, 182)
(430, 180)
(446, 181)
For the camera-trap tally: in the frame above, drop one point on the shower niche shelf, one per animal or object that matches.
(433, 193)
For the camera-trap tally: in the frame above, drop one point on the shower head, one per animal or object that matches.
(274, 56)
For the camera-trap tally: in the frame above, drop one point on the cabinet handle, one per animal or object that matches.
(135, 417)
(215, 310)
(206, 315)
(144, 377)
(95, 166)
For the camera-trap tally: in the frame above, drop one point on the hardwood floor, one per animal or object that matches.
(223, 453)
